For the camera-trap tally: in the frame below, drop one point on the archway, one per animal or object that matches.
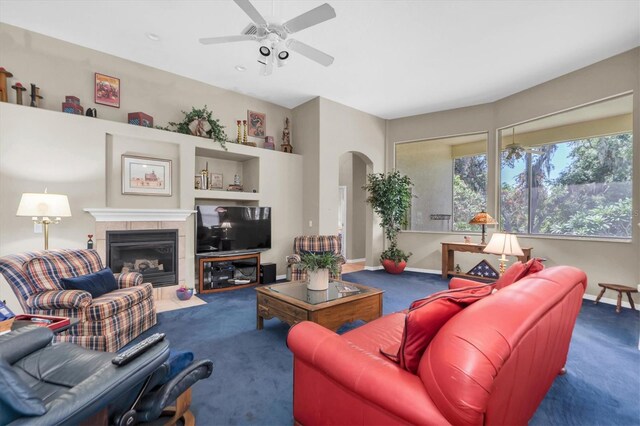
(355, 221)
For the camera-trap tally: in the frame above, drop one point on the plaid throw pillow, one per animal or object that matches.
(43, 274)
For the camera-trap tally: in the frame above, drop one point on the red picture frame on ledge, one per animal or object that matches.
(106, 90)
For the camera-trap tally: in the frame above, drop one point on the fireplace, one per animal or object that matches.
(153, 253)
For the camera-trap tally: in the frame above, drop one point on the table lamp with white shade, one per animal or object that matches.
(44, 209)
(504, 245)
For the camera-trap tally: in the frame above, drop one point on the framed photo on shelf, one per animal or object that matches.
(216, 181)
(256, 124)
(197, 183)
(146, 176)
(107, 90)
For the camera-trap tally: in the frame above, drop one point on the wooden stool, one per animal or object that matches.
(620, 289)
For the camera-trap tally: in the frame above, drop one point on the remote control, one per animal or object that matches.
(137, 350)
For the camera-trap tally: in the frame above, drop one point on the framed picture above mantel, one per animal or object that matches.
(146, 176)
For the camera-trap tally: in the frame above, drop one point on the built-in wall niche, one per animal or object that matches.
(118, 145)
(229, 165)
(450, 180)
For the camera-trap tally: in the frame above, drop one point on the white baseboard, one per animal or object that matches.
(607, 300)
(356, 260)
(424, 271)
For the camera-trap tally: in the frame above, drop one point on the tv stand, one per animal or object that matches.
(227, 272)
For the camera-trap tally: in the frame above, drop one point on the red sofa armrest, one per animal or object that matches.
(456, 283)
(374, 378)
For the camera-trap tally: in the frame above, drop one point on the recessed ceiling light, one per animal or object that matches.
(240, 68)
(152, 36)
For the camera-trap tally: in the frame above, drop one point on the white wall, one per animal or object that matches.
(604, 261)
(80, 156)
(344, 129)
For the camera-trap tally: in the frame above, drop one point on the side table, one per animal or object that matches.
(24, 323)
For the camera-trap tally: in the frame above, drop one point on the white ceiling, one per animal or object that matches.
(393, 58)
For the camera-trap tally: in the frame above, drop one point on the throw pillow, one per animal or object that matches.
(17, 399)
(97, 284)
(517, 271)
(427, 316)
(43, 273)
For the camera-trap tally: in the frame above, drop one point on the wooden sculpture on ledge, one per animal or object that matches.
(4, 74)
(286, 137)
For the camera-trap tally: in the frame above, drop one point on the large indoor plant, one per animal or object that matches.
(318, 267)
(390, 196)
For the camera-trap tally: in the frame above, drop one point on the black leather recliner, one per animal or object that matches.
(52, 384)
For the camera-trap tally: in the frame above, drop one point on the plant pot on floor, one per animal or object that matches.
(392, 268)
(318, 280)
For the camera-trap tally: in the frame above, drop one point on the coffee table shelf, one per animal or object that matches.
(292, 304)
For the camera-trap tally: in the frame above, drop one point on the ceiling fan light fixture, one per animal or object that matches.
(265, 50)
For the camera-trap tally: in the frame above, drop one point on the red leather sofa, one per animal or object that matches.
(490, 364)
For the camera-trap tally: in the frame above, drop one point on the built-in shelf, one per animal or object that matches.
(226, 195)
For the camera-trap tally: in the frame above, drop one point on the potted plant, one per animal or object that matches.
(390, 196)
(199, 122)
(318, 267)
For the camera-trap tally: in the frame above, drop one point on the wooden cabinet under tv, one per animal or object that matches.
(221, 272)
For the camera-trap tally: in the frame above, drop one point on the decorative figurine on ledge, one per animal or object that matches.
(239, 139)
(286, 138)
(19, 88)
(35, 96)
(244, 138)
(4, 74)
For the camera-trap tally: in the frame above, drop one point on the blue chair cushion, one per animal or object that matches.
(16, 398)
(97, 284)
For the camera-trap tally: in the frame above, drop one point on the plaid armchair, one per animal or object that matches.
(106, 323)
(313, 243)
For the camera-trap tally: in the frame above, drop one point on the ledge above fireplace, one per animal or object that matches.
(139, 215)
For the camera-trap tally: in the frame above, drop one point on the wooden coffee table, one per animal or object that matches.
(292, 303)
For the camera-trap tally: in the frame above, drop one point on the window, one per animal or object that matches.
(469, 190)
(450, 179)
(573, 186)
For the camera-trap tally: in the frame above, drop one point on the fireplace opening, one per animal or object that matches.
(153, 253)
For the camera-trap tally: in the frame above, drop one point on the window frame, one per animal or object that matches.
(528, 160)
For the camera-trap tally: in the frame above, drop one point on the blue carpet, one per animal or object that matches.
(252, 378)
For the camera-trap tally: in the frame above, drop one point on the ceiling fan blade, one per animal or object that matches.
(308, 19)
(250, 10)
(226, 39)
(310, 52)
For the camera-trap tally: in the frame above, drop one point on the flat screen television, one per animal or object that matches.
(232, 229)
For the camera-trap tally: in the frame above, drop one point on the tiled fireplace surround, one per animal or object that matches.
(143, 219)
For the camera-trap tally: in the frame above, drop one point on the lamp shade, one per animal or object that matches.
(506, 244)
(44, 205)
(482, 218)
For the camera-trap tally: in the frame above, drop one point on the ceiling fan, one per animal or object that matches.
(517, 151)
(273, 37)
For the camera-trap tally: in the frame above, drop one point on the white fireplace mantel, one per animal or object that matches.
(139, 215)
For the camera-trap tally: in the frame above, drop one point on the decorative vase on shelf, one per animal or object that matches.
(318, 280)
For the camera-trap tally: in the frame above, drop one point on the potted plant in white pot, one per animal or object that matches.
(318, 267)
(390, 196)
